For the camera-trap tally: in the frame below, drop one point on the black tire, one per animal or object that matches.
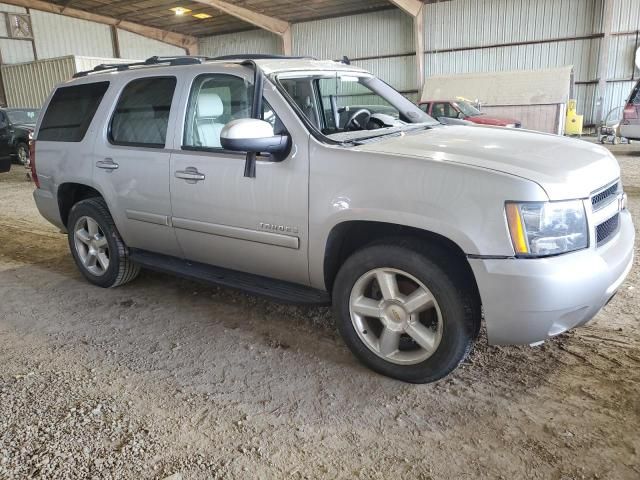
(460, 308)
(22, 146)
(121, 269)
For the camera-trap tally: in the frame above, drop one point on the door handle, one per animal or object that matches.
(107, 164)
(190, 174)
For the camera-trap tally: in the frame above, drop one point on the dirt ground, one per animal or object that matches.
(165, 377)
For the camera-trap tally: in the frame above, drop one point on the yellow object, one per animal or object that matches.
(573, 123)
(516, 229)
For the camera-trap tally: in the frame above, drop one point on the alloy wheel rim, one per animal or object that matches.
(91, 246)
(396, 316)
(23, 156)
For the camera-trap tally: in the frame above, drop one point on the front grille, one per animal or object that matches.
(603, 197)
(606, 230)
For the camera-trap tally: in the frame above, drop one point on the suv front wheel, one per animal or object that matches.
(96, 246)
(402, 314)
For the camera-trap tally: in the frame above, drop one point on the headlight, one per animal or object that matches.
(539, 229)
(510, 125)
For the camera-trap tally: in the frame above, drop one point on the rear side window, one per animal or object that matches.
(70, 112)
(141, 116)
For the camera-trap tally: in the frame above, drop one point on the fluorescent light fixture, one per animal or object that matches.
(180, 10)
(202, 16)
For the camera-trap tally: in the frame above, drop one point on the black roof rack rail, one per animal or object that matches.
(259, 56)
(171, 61)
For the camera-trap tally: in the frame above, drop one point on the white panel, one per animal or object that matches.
(473, 23)
(581, 54)
(396, 71)
(622, 50)
(136, 46)
(16, 51)
(387, 32)
(57, 36)
(5, 7)
(253, 41)
(626, 15)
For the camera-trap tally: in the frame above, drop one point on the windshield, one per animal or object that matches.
(468, 109)
(347, 106)
(22, 116)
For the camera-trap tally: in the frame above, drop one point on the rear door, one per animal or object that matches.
(257, 225)
(131, 161)
(630, 126)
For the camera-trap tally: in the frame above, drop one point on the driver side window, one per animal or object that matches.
(214, 101)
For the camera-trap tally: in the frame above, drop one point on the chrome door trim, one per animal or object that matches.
(249, 235)
(148, 217)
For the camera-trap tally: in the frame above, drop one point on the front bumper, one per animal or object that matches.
(530, 300)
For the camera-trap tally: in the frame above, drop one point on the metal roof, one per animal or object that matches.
(156, 13)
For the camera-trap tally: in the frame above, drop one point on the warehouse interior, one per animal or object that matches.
(171, 378)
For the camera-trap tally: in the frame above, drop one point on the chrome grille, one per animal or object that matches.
(607, 229)
(604, 196)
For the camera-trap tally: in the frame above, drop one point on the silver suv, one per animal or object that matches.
(314, 181)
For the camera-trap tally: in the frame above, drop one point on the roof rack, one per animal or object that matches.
(171, 61)
(183, 60)
(259, 56)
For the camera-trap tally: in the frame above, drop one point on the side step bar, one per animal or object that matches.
(279, 290)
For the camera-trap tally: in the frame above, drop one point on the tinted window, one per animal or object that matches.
(214, 101)
(142, 113)
(70, 112)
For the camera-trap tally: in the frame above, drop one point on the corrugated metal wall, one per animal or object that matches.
(136, 46)
(57, 36)
(29, 84)
(252, 41)
(463, 36)
(621, 70)
(381, 42)
(13, 51)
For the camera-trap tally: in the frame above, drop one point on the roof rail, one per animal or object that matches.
(171, 61)
(259, 56)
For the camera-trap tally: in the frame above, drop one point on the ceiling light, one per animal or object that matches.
(202, 16)
(180, 10)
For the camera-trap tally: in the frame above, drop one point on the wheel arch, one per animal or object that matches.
(70, 193)
(347, 237)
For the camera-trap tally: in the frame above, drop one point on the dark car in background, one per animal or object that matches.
(463, 110)
(16, 129)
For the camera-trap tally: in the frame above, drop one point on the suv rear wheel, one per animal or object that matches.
(402, 314)
(96, 246)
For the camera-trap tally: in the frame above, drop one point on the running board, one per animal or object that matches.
(278, 290)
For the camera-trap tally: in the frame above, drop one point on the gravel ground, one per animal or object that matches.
(165, 377)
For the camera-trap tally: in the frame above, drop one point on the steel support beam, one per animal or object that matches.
(187, 42)
(260, 20)
(603, 59)
(415, 8)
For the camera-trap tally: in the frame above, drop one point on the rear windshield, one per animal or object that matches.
(70, 112)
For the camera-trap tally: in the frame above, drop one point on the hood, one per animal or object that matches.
(488, 120)
(565, 168)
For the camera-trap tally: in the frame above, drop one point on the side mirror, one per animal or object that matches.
(252, 135)
(461, 115)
